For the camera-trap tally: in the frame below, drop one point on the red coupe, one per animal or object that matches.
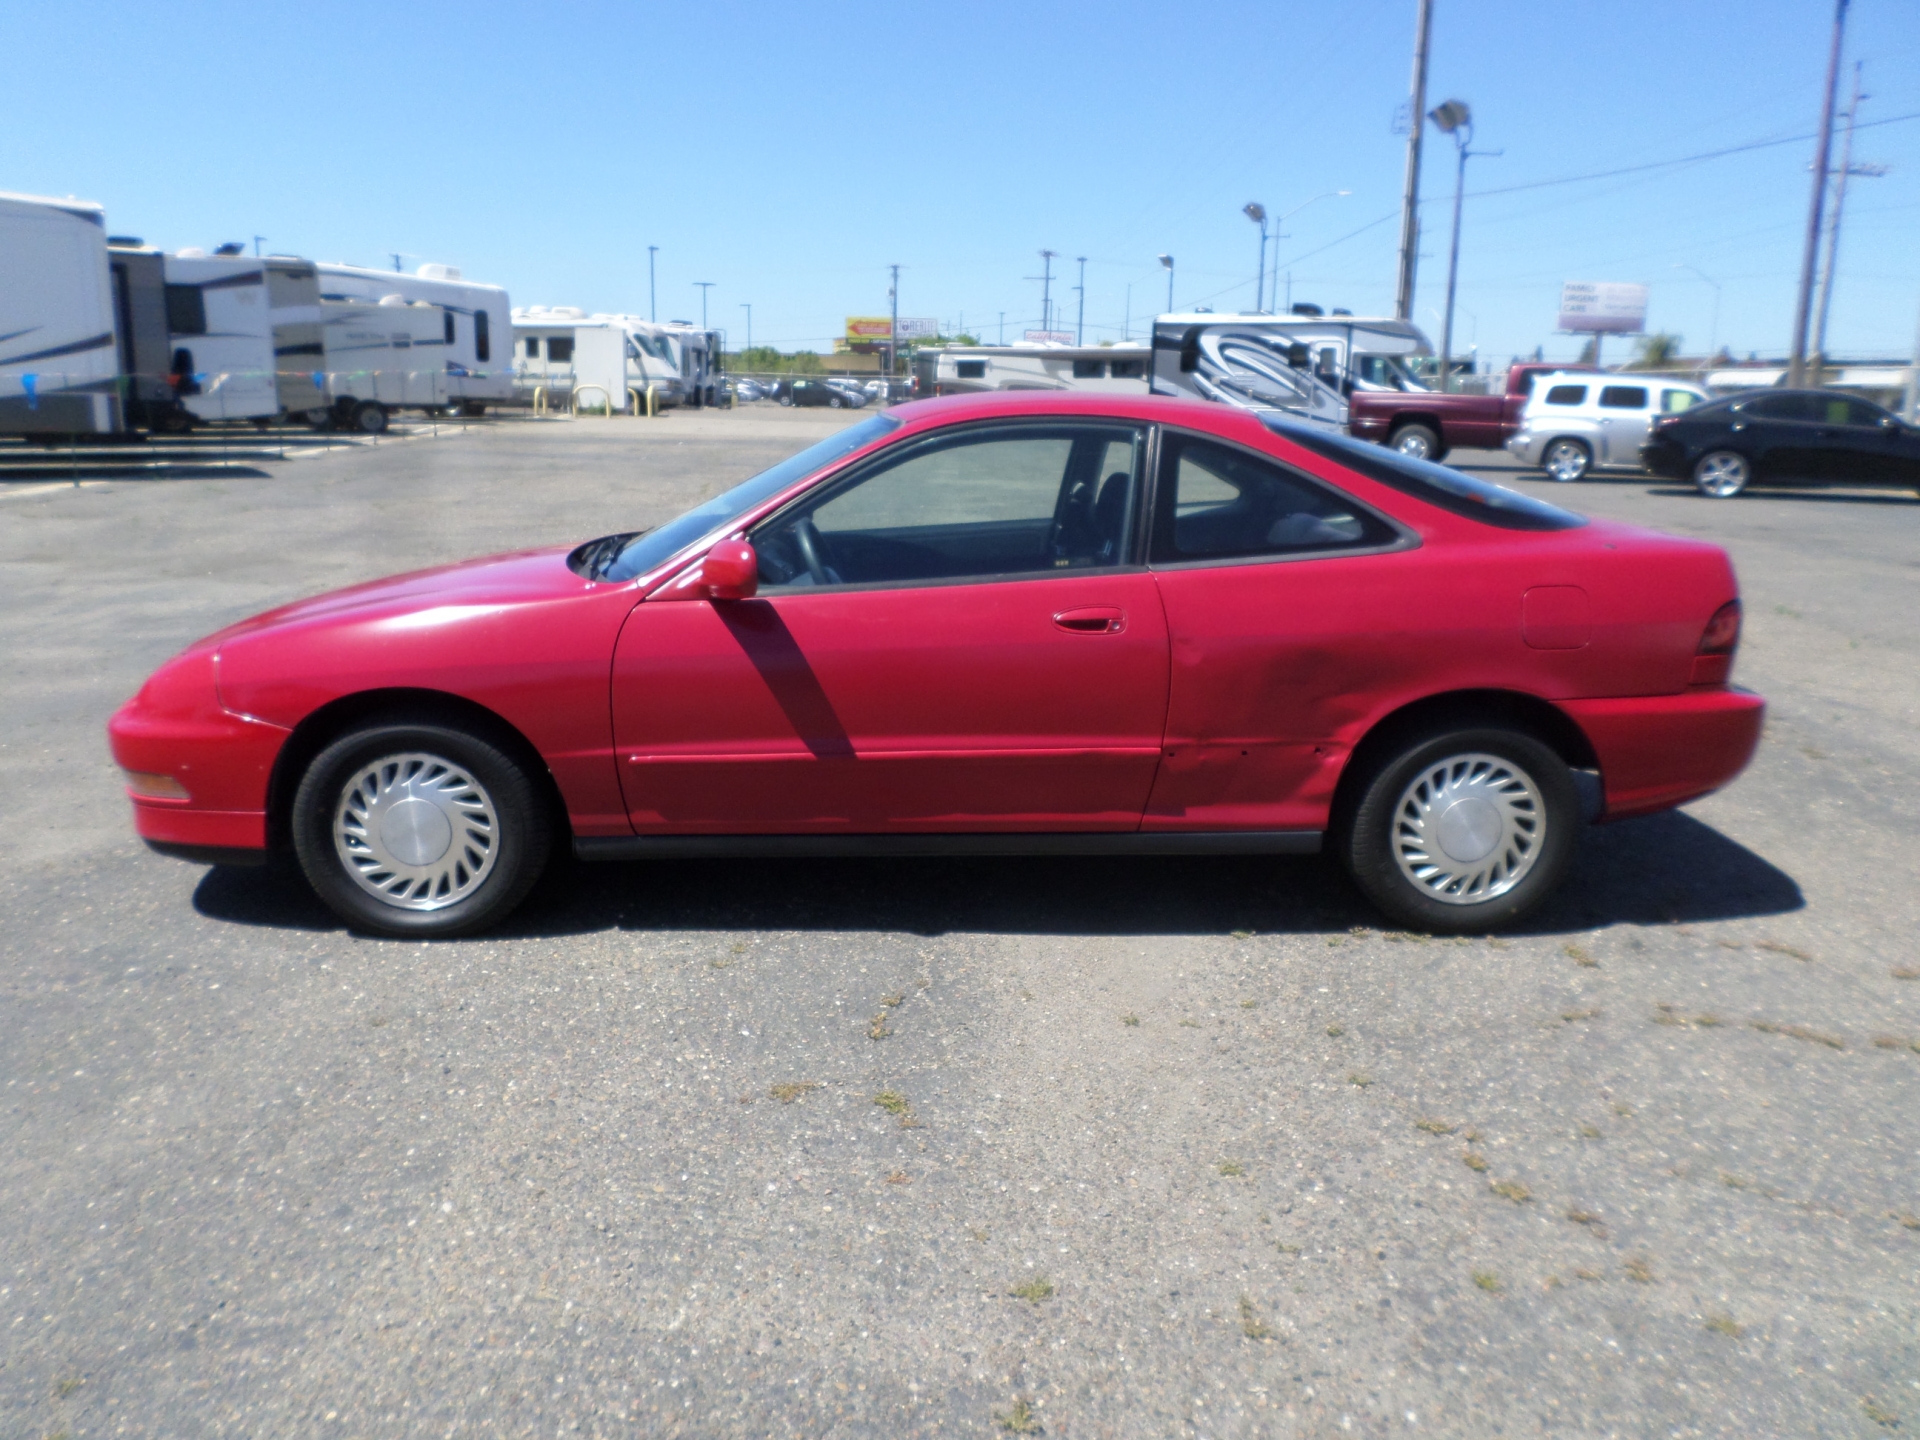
(997, 624)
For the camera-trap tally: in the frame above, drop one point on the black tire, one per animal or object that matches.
(1381, 827)
(321, 420)
(512, 847)
(1421, 442)
(472, 409)
(369, 417)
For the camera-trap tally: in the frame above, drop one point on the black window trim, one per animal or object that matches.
(1133, 564)
(1405, 536)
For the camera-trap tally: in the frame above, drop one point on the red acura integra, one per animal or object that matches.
(1001, 625)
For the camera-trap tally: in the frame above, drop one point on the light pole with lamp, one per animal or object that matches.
(705, 285)
(1080, 291)
(1280, 234)
(1167, 260)
(1257, 213)
(1713, 330)
(1455, 119)
(653, 306)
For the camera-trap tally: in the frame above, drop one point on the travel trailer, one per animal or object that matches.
(1303, 365)
(59, 357)
(602, 359)
(477, 324)
(380, 358)
(243, 334)
(149, 393)
(699, 353)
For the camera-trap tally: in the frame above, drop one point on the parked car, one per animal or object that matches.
(850, 390)
(1426, 424)
(811, 391)
(978, 625)
(746, 389)
(1574, 423)
(1766, 437)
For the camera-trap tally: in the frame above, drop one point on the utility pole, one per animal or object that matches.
(1257, 213)
(258, 238)
(748, 307)
(1080, 325)
(396, 260)
(1847, 167)
(1803, 304)
(705, 285)
(1047, 258)
(1410, 195)
(1126, 322)
(653, 307)
(893, 329)
(1167, 260)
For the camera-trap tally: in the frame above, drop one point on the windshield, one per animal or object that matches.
(644, 551)
(1449, 489)
(1384, 372)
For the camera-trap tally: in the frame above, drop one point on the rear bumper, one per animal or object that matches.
(1658, 751)
(1664, 458)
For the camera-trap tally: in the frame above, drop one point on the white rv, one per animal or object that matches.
(244, 335)
(59, 364)
(477, 324)
(601, 359)
(380, 358)
(699, 353)
(1304, 365)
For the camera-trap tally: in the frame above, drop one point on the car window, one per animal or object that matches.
(1783, 407)
(1006, 500)
(1672, 402)
(970, 369)
(1623, 397)
(1566, 394)
(1217, 502)
(1841, 411)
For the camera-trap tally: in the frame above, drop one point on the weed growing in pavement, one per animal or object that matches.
(1434, 1127)
(1905, 972)
(1232, 1169)
(899, 1177)
(1034, 1291)
(1778, 949)
(1799, 1032)
(1896, 1042)
(1511, 1190)
(1912, 1222)
(1248, 1004)
(1487, 1281)
(893, 1000)
(1583, 1273)
(1878, 1413)
(792, 1090)
(1129, 1019)
(1473, 1137)
(1335, 1031)
(1356, 1077)
(979, 1235)
(1726, 1325)
(1251, 1325)
(924, 981)
(1476, 1163)
(1578, 956)
(1624, 1110)
(376, 1021)
(892, 1101)
(1020, 1420)
(1589, 1132)
(1191, 1024)
(1639, 1270)
(67, 1386)
(1584, 1217)
(877, 1028)
(1243, 934)
(1569, 1016)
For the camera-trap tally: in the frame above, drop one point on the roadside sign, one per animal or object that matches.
(1603, 307)
(869, 328)
(1048, 337)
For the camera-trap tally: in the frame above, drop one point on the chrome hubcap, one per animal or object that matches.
(1469, 828)
(1415, 445)
(1722, 475)
(1565, 462)
(415, 831)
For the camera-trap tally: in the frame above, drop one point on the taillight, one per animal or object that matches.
(1713, 658)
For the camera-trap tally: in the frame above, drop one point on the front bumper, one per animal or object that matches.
(1524, 446)
(1659, 751)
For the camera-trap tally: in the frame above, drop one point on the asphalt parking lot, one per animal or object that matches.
(1163, 1147)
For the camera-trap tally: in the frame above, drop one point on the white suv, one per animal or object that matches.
(1574, 422)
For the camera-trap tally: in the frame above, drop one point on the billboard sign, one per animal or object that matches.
(1048, 337)
(1603, 307)
(918, 329)
(869, 329)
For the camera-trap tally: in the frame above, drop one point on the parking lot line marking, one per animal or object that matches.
(12, 494)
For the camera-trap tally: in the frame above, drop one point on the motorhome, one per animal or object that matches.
(699, 353)
(477, 323)
(563, 354)
(1303, 365)
(59, 357)
(149, 390)
(244, 336)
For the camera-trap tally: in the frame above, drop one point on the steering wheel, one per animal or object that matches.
(806, 540)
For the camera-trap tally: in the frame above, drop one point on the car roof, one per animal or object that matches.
(984, 405)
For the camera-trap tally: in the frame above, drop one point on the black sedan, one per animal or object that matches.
(1792, 437)
(812, 392)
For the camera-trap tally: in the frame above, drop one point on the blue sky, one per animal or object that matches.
(789, 153)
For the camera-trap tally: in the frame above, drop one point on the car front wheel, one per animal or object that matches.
(1463, 831)
(1418, 441)
(1722, 474)
(1566, 461)
(420, 830)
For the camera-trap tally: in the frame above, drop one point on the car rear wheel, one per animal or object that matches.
(1418, 441)
(1567, 460)
(369, 417)
(1463, 831)
(420, 830)
(1722, 474)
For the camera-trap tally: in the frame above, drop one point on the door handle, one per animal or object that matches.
(1092, 620)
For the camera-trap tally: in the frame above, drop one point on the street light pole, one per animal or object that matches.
(1410, 196)
(1046, 289)
(1080, 325)
(1455, 119)
(1280, 234)
(893, 326)
(705, 285)
(1713, 330)
(1167, 260)
(1257, 213)
(1847, 168)
(653, 307)
(748, 307)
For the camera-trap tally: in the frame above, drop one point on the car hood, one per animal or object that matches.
(491, 583)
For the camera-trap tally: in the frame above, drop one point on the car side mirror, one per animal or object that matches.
(731, 571)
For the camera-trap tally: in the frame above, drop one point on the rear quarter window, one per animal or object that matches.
(1567, 395)
(1623, 397)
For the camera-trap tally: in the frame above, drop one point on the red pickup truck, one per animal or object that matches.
(1426, 424)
